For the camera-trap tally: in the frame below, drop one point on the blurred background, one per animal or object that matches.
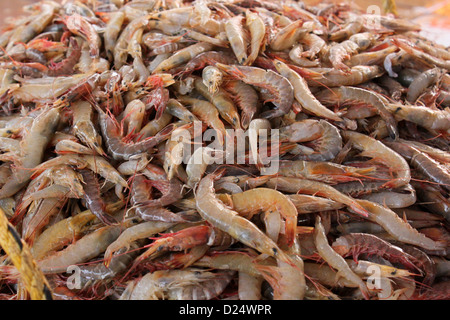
(433, 15)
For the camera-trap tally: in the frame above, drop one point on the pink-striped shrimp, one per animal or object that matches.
(141, 193)
(246, 98)
(278, 87)
(123, 150)
(177, 241)
(79, 25)
(354, 244)
(347, 95)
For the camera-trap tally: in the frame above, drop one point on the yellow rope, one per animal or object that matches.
(390, 7)
(20, 255)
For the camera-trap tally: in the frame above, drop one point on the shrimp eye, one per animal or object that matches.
(275, 251)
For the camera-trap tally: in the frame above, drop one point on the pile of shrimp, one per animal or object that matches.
(100, 200)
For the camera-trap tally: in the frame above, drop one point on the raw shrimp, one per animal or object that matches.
(257, 30)
(37, 219)
(156, 125)
(315, 44)
(227, 220)
(308, 204)
(212, 78)
(133, 116)
(326, 275)
(325, 139)
(421, 82)
(352, 95)
(182, 56)
(176, 109)
(246, 98)
(398, 228)
(249, 286)
(197, 165)
(179, 241)
(95, 163)
(32, 150)
(303, 94)
(382, 154)
(186, 284)
(420, 55)
(352, 26)
(70, 146)
(340, 52)
(263, 199)
(79, 25)
(37, 24)
(171, 190)
(84, 128)
(66, 66)
(296, 185)
(221, 101)
(365, 269)
(235, 34)
(435, 153)
(120, 47)
(180, 260)
(112, 31)
(421, 260)
(371, 58)
(201, 60)
(423, 163)
(277, 86)
(398, 198)
(140, 193)
(122, 150)
(219, 40)
(99, 272)
(60, 234)
(356, 75)
(88, 247)
(394, 87)
(433, 120)
(322, 171)
(208, 113)
(175, 147)
(230, 260)
(287, 36)
(354, 244)
(286, 280)
(130, 235)
(92, 196)
(334, 259)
